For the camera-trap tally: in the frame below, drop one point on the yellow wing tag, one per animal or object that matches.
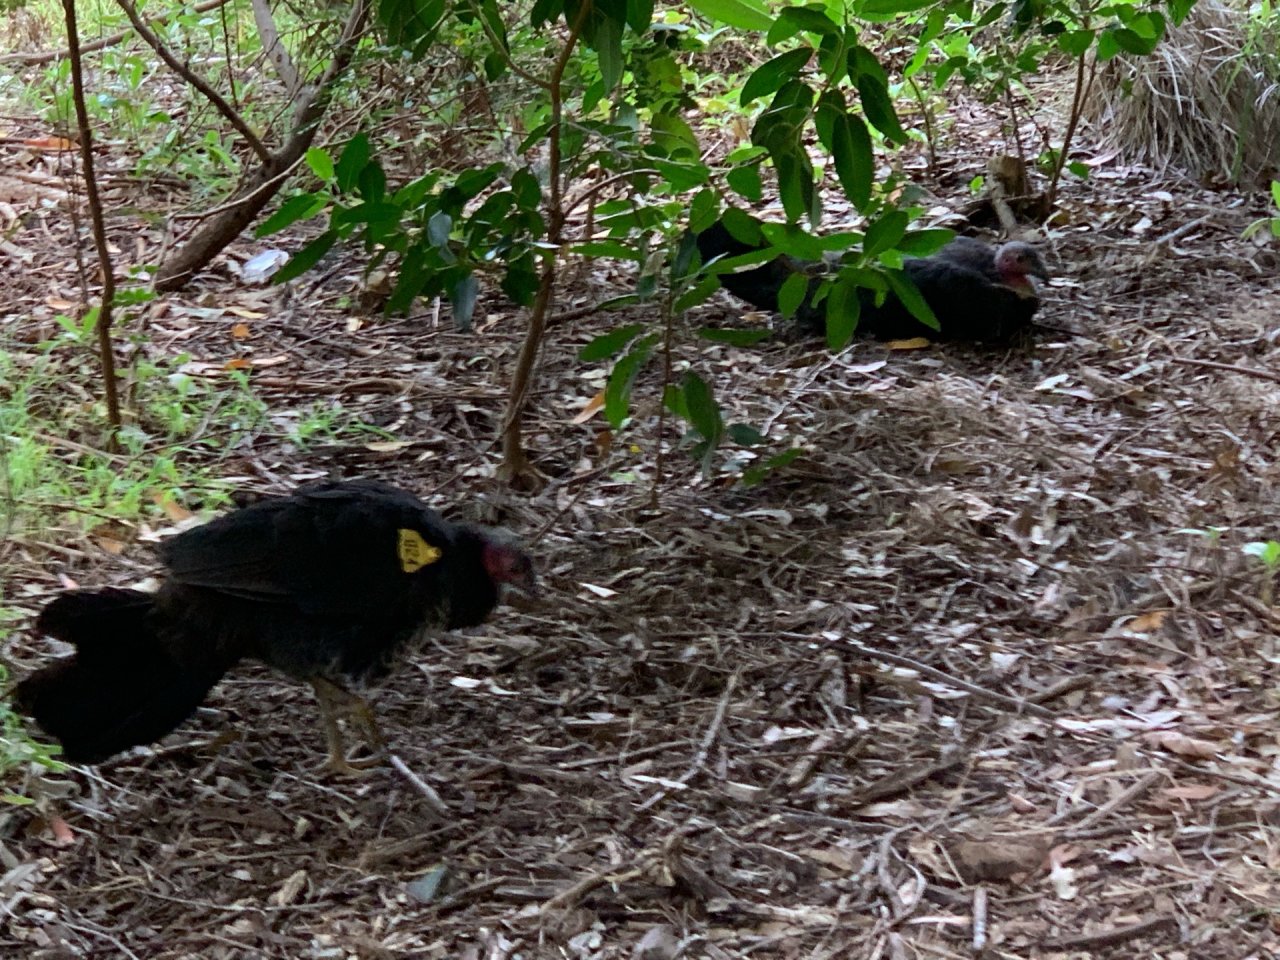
(414, 552)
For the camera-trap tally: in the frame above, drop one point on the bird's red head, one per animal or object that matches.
(506, 562)
(1017, 261)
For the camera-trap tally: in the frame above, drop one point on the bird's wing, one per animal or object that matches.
(330, 550)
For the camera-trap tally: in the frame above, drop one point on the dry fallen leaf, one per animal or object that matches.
(1148, 622)
(1182, 745)
(175, 511)
(1198, 791)
(915, 343)
(240, 331)
(589, 410)
(997, 859)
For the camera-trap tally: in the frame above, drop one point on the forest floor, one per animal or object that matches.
(988, 662)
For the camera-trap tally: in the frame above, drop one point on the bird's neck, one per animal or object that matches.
(1019, 283)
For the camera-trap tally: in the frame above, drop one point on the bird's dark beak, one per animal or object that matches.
(528, 585)
(1039, 270)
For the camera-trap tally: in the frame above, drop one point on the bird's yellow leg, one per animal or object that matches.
(334, 701)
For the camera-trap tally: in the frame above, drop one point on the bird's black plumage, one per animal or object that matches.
(977, 292)
(325, 585)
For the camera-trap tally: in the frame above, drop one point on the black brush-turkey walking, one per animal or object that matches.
(326, 585)
(977, 292)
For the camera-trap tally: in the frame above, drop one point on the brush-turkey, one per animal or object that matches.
(976, 291)
(326, 585)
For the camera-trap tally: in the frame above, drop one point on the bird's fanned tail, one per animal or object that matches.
(123, 687)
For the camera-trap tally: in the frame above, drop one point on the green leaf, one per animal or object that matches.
(683, 260)
(909, 294)
(1275, 192)
(697, 293)
(854, 159)
(607, 42)
(704, 412)
(1131, 42)
(742, 226)
(639, 14)
(878, 107)
(795, 181)
(843, 311)
(438, 229)
(321, 163)
(887, 9)
(746, 183)
(372, 182)
(683, 177)
(463, 300)
(703, 210)
(306, 258)
(754, 475)
(745, 435)
(736, 338)
(793, 20)
(1081, 170)
(607, 249)
(1180, 10)
(1076, 42)
(617, 392)
(609, 344)
(885, 233)
(355, 155)
(302, 206)
(921, 243)
(770, 77)
(743, 14)
(792, 294)
(1107, 46)
(1149, 26)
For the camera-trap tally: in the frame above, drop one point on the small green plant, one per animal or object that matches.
(1272, 223)
(1267, 553)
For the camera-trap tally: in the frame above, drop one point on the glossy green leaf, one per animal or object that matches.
(463, 300)
(320, 162)
(736, 338)
(1076, 42)
(700, 404)
(843, 312)
(770, 76)
(886, 9)
(703, 210)
(697, 294)
(792, 294)
(909, 294)
(743, 14)
(745, 182)
(885, 232)
(921, 243)
(354, 157)
(617, 392)
(793, 20)
(854, 159)
(610, 344)
(302, 206)
(306, 258)
(755, 474)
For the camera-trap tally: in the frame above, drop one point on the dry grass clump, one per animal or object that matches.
(1207, 100)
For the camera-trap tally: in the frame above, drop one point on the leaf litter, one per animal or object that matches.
(958, 676)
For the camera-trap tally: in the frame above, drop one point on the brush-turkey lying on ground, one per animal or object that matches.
(326, 585)
(977, 292)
